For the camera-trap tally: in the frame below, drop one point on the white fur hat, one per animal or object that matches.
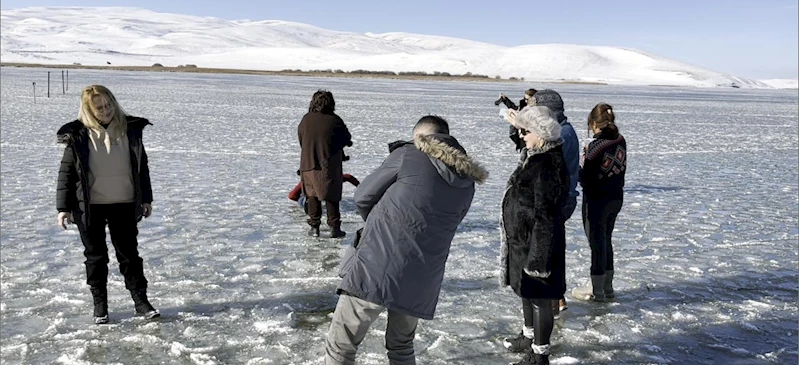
(538, 120)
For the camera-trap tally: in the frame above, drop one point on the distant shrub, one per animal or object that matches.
(498, 77)
(339, 71)
(369, 72)
(414, 73)
(76, 63)
(157, 65)
(190, 66)
(513, 79)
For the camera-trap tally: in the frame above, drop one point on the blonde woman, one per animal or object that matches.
(104, 180)
(533, 251)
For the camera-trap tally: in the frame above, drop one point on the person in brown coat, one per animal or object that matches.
(323, 136)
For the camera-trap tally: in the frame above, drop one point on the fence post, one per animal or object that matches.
(34, 92)
(48, 84)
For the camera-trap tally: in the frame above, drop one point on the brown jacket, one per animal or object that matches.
(322, 138)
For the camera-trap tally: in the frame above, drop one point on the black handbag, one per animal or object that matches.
(349, 254)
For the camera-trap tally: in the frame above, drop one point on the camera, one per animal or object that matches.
(499, 101)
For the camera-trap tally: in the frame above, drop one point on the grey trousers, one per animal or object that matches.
(352, 320)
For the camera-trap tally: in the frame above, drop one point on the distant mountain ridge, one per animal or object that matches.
(140, 37)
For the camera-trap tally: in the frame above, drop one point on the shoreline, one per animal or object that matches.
(208, 70)
(340, 74)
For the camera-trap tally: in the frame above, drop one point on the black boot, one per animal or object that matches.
(541, 359)
(531, 358)
(142, 305)
(314, 231)
(336, 232)
(100, 296)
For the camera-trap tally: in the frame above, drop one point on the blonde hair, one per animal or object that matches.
(87, 113)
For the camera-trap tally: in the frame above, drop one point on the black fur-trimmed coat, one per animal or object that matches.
(532, 256)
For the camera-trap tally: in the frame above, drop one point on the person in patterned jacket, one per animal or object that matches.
(602, 170)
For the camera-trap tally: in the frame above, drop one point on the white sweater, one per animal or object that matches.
(111, 178)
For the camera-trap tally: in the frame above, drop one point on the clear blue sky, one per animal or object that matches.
(754, 38)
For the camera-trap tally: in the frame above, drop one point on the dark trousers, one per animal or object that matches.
(599, 218)
(315, 213)
(567, 211)
(538, 314)
(121, 220)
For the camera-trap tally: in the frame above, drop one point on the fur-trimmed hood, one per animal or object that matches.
(69, 131)
(451, 160)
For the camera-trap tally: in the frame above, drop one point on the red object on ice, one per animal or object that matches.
(295, 193)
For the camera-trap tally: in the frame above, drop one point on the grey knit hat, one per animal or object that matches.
(539, 120)
(552, 100)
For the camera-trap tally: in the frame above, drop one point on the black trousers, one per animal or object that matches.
(538, 314)
(599, 218)
(121, 220)
(315, 213)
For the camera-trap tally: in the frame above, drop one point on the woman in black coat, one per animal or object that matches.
(533, 234)
(104, 180)
(602, 178)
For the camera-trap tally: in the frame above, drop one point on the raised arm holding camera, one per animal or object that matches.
(513, 133)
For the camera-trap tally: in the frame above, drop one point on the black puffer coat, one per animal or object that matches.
(72, 192)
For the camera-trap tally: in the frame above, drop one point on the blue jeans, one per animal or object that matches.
(569, 207)
(303, 203)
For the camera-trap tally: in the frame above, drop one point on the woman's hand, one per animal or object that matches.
(147, 209)
(511, 116)
(64, 218)
(582, 156)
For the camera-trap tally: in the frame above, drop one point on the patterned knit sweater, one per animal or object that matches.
(602, 173)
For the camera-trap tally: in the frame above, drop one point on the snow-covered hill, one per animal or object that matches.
(139, 37)
(782, 83)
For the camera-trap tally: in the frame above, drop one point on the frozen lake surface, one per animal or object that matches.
(706, 243)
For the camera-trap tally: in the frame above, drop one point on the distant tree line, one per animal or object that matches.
(370, 72)
(401, 73)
